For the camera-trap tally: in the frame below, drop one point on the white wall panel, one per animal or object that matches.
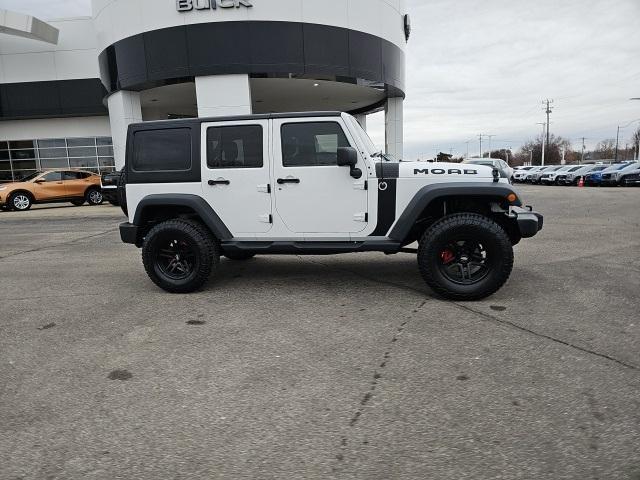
(29, 67)
(75, 56)
(118, 19)
(74, 64)
(55, 128)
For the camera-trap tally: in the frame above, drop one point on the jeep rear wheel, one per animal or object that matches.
(465, 256)
(179, 255)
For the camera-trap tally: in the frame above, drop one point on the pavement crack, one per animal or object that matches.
(487, 317)
(377, 376)
(46, 247)
(501, 321)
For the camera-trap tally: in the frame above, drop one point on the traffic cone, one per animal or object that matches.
(581, 182)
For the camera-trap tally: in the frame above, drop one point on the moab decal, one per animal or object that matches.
(442, 171)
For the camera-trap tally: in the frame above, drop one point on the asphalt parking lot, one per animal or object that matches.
(321, 367)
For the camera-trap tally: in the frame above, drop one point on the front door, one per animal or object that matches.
(235, 175)
(313, 194)
(50, 187)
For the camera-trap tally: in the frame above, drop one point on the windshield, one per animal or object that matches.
(488, 163)
(599, 169)
(363, 135)
(575, 169)
(30, 177)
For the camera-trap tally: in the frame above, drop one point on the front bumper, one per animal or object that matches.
(529, 222)
(609, 181)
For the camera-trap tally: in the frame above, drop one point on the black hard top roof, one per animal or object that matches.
(234, 118)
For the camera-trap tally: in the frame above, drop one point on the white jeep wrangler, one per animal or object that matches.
(310, 183)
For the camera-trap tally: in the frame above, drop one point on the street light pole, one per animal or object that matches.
(617, 141)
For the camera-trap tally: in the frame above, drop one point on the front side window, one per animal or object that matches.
(52, 177)
(238, 146)
(312, 144)
(162, 150)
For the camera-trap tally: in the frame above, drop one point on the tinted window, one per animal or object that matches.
(72, 176)
(235, 147)
(52, 177)
(162, 150)
(311, 144)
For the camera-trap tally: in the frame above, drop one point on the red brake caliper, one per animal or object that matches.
(447, 256)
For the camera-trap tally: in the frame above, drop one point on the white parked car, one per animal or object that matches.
(505, 169)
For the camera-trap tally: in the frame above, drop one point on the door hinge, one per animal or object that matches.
(264, 188)
(360, 185)
(361, 217)
(267, 218)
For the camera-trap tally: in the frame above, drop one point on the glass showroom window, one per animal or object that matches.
(21, 158)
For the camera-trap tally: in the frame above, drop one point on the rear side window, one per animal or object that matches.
(235, 147)
(311, 144)
(73, 176)
(162, 150)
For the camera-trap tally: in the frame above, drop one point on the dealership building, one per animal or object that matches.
(70, 87)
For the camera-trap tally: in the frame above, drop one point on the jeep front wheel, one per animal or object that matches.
(465, 256)
(179, 255)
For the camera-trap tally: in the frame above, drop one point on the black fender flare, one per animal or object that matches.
(429, 193)
(196, 203)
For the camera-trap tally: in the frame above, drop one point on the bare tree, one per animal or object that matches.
(636, 141)
(553, 155)
(606, 149)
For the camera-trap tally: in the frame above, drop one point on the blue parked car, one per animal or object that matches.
(595, 178)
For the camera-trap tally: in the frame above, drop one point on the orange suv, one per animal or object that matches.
(73, 186)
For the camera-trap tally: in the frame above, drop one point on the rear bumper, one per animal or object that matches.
(130, 233)
(529, 222)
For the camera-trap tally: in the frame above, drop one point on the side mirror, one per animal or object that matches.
(348, 157)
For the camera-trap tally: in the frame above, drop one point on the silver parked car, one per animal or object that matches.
(573, 177)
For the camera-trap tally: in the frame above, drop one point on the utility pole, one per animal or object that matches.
(480, 136)
(467, 142)
(543, 125)
(617, 140)
(548, 111)
(490, 137)
(582, 159)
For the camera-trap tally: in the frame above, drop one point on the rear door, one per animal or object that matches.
(313, 195)
(235, 174)
(50, 187)
(76, 183)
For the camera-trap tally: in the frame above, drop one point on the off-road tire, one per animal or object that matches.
(94, 197)
(27, 205)
(499, 255)
(239, 256)
(201, 241)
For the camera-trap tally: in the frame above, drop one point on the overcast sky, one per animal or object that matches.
(485, 66)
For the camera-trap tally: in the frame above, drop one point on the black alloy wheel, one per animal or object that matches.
(179, 255)
(465, 256)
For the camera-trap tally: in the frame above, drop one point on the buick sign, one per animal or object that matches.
(189, 5)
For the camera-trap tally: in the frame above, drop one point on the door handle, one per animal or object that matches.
(282, 181)
(219, 182)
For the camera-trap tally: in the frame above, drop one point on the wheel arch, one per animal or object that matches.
(435, 201)
(155, 208)
(26, 192)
